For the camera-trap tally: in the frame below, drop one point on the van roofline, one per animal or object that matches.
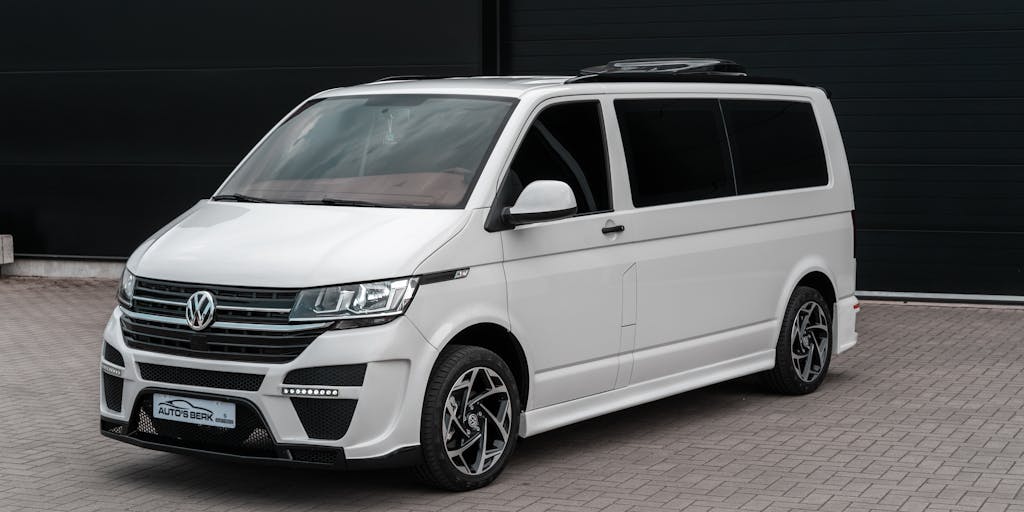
(520, 86)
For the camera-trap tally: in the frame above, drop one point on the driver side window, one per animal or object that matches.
(566, 142)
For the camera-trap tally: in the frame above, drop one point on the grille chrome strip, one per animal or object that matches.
(225, 308)
(259, 310)
(160, 301)
(227, 325)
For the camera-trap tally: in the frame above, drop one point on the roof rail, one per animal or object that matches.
(674, 70)
(407, 77)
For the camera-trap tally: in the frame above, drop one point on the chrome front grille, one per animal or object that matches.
(250, 324)
(234, 304)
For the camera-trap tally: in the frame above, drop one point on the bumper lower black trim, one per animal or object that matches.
(402, 457)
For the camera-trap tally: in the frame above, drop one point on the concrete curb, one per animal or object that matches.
(39, 267)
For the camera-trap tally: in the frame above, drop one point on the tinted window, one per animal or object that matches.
(565, 143)
(775, 145)
(675, 150)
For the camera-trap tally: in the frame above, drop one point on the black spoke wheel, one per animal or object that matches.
(470, 420)
(804, 348)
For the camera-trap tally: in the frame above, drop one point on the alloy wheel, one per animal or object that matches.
(477, 421)
(809, 341)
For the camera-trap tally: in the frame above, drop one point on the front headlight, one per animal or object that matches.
(126, 290)
(355, 305)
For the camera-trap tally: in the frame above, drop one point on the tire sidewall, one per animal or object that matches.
(452, 363)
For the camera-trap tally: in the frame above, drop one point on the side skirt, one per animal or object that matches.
(559, 415)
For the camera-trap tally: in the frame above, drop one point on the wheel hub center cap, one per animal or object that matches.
(473, 421)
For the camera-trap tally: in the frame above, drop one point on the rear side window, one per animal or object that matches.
(776, 145)
(675, 150)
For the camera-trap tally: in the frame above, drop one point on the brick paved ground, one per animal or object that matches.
(925, 414)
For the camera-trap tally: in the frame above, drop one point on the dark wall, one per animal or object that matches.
(928, 94)
(117, 116)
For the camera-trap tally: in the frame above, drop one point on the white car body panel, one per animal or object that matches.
(688, 295)
(294, 246)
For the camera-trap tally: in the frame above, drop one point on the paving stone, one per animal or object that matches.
(927, 413)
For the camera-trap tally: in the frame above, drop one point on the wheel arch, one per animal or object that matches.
(501, 341)
(821, 282)
(814, 273)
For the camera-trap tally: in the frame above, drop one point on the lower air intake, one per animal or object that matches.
(326, 419)
(112, 391)
(113, 428)
(112, 355)
(314, 456)
(201, 378)
(249, 437)
(340, 375)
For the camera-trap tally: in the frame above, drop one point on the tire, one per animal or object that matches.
(806, 333)
(461, 374)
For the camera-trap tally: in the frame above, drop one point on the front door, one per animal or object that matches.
(565, 277)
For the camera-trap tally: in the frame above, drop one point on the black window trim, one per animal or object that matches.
(728, 148)
(494, 223)
(728, 138)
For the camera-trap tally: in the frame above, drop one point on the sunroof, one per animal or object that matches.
(680, 69)
(667, 65)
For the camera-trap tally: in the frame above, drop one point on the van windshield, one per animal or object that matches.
(402, 151)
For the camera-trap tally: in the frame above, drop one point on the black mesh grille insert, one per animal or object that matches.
(343, 375)
(202, 378)
(217, 343)
(112, 355)
(112, 388)
(113, 428)
(249, 437)
(324, 418)
(315, 456)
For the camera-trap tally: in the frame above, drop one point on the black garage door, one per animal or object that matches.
(116, 116)
(930, 97)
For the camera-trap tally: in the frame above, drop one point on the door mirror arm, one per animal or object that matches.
(540, 201)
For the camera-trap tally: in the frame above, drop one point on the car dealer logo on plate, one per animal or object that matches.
(199, 310)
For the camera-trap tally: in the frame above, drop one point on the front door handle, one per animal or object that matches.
(615, 228)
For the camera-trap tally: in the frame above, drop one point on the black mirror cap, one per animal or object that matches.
(511, 220)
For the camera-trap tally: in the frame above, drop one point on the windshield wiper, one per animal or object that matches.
(349, 202)
(241, 198)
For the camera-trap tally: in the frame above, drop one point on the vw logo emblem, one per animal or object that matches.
(199, 310)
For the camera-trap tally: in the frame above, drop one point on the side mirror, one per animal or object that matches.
(540, 201)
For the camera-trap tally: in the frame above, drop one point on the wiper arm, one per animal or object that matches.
(348, 202)
(241, 198)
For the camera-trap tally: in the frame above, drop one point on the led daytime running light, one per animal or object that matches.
(310, 392)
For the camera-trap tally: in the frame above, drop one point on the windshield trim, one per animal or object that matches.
(512, 102)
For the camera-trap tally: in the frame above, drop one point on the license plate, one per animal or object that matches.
(194, 410)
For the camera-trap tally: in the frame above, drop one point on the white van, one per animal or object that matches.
(420, 271)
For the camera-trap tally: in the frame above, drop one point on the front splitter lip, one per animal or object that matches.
(401, 457)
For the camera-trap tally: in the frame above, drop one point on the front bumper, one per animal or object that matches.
(384, 424)
(141, 433)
